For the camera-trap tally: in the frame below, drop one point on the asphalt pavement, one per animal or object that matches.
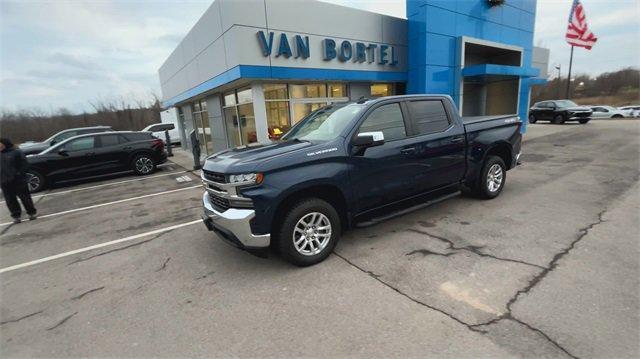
(123, 267)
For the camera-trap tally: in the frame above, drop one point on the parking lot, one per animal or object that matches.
(124, 267)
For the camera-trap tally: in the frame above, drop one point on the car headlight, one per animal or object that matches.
(247, 178)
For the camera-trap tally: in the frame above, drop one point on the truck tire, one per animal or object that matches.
(492, 178)
(35, 181)
(143, 164)
(532, 119)
(309, 232)
(558, 119)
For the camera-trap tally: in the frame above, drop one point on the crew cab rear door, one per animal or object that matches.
(439, 143)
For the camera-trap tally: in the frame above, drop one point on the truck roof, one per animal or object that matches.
(364, 100)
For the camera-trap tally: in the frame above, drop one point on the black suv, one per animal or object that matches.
(37, 147)
(95, 154)
(559, 111)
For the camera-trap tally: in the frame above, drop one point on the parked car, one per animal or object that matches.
(602, 111)
(559, 111)
(95, 154)
(634, 110)
(350, 164)
(30, 147)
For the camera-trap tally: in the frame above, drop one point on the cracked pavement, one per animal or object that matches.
(548, 269)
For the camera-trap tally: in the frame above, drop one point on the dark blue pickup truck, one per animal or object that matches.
(353, 164)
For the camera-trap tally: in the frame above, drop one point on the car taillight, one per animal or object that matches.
(157, 143)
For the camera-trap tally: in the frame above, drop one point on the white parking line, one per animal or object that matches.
(109, 203)
(85, 249)
(105, 184)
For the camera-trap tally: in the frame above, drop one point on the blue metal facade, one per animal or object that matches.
(436, 28)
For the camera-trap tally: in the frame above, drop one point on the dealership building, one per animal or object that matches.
(250, 69)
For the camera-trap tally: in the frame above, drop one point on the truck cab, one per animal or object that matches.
(349, 164)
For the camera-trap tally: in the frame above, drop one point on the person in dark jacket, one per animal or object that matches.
(13, 167)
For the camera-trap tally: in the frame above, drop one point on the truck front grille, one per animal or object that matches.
(219, 203)
(214, 176)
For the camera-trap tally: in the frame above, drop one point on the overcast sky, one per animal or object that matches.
(66, 54)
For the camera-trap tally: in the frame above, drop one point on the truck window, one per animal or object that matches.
(388, 119)
(428, 116)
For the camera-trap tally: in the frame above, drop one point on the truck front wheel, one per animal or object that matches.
(492, 178)
(309, 232)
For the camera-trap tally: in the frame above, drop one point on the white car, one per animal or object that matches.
(607, 112)
(633, 111)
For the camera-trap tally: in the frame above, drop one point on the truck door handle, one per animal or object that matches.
(457, 139)
(408, 151)
(126, 147)
(89, 153)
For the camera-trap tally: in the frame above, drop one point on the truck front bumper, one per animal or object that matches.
(233, 225)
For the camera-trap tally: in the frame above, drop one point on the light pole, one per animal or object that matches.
(558, 66)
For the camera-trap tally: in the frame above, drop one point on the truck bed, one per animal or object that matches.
(467, 120)
(484, 123)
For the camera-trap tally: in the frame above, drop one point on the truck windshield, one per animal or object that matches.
(324, 124)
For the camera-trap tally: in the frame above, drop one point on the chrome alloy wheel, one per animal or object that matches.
(33, 182)
(494, 178)
(144, 165)
(312, 233)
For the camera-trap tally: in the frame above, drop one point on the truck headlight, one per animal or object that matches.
(247, 178)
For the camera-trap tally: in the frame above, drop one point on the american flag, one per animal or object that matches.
(578, 33)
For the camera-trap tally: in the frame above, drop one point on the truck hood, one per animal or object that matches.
(33, 148)
(246, 158)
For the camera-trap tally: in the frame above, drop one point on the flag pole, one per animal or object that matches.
(569, 77)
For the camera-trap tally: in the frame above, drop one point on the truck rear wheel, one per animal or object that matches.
(492, 178)
(309, 232)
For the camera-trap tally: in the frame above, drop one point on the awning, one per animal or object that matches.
(499, 70)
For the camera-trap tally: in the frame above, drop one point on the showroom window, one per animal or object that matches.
(201, 124)
(380, 90)
(277, 105)
(240, 121)
(286, 104)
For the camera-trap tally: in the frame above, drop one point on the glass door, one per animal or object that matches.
(201, 125)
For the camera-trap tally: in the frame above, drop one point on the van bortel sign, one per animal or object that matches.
(345, 51)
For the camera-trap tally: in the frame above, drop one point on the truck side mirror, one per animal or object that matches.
(369, 139)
